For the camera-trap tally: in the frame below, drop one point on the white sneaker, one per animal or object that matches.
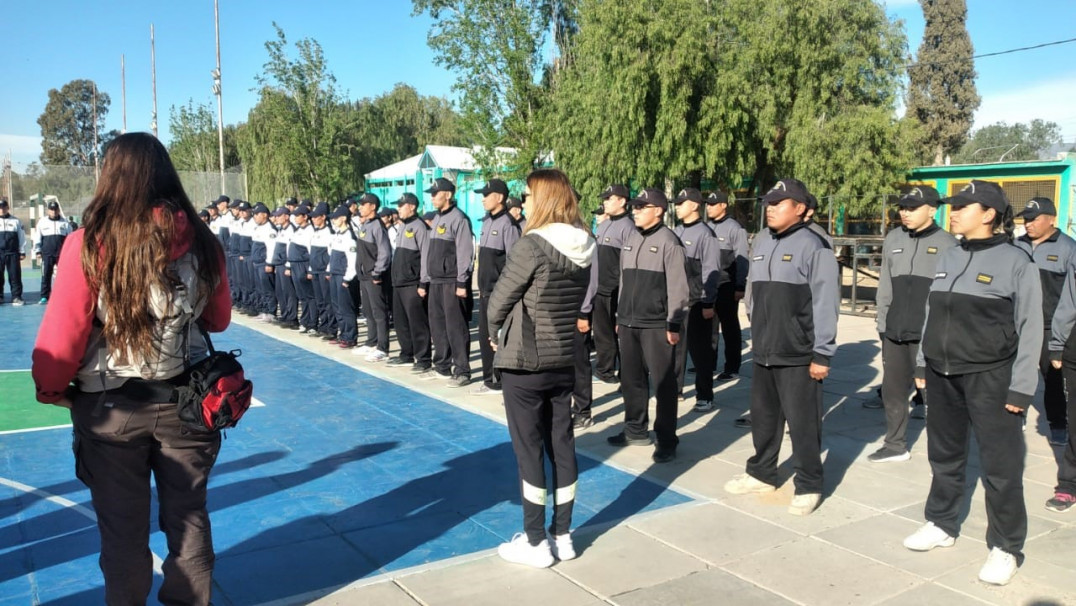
(363, 350)
(804, 504)
(999, 569)
(928, 537)
(303, 330)
(703, 405)
(520, 551)
(376, 355)
(747, 484)
(561, 546)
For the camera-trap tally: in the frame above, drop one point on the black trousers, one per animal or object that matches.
(342, 309)
(695, 335)
(375, 310)
(1066, 469)
(11, 263)
(898, 380)
(246, 282)
(266, 301)
(48, 265)
(603, 331)
(538, 409)
(780, 394)
(583, 393)
(233, 276)
(1053, 399)
(645, 355)
(488, 376)
(449, 330)
(727, 310)
(326, 320)
(412, 324)
(304, 291)
(289, 301)
(976, 401)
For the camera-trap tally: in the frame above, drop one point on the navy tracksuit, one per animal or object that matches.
(48, 241)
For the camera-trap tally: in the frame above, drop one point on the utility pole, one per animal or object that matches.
(123, 88)
(153, 66)
(217, 92)
(96, 149)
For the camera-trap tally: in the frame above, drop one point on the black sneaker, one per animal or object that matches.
(664, 454)
(418, 368)
(743, 422)
(582, 422)
(621, 439)
(1061, 502)
(399, 361)
(888, 455)
(727, 376)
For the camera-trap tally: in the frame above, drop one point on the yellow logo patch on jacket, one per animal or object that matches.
(441, 229)
(984, 279)
(409, 233)
(786, 258)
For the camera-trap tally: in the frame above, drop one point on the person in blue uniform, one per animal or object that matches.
(48, 239)
(12, 252)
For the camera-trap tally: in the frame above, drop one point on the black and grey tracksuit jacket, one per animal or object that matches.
(794, 298)
(732, 242)
(702, 258)
(412, 243)
(653, 280)
(499, 233)
(605, 271)
(909, 260)
(451, 251)
(375, 252)
(1056, 258)
(49, 236)
(984, 311)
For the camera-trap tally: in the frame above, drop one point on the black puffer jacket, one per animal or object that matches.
(534, 306)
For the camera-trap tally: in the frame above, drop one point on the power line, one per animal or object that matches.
(998, 53)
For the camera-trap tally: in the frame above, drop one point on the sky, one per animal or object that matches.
(371, 45)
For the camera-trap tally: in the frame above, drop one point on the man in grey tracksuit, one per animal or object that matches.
(909, 257)
(374, 260)
(652, 307)
(732, 244)
(499, 232)
(1054, 253)
(703, 274)
(409, 309)
(793, 306)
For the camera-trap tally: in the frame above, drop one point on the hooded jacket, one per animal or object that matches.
(533, 309)
(75, 346)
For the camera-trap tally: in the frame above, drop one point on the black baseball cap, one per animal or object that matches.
(717, 197)
(222, 198)
(53, 206)
(651, 196)
(291, 202)
(368, 198)
(243, 205)
(429, 216)
(280, 210)
(493, 186)
(990, 195)
(1036, 207)
(407, 198)
(785, 189)
(441, 184)
(513, 202)
(918, 196)
(234, 203)
(615, 190)
(341, 211)
(261, 208)
(301, 210)
(321, 210)
(688, 193)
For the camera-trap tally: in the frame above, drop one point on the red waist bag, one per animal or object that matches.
(217, 394)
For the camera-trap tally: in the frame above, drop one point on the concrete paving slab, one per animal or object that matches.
(493, 582)
(1057, 547)
(810, 571)
(623, 559)
(870, 487)
(383, 594)
(933, 595)
(703, 588)
(1038, 583)
(772, 507)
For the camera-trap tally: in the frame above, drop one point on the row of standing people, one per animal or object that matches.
(48, 238)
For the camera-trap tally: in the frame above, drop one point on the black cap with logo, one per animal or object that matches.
(1036, 207)
(493, 186)
(686, 194)
(441, 184)
(615, 190)
(651, 196)
(918, 196)
(990, 195)
(787, 189)
(717, 197)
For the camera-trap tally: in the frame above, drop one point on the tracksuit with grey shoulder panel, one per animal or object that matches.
(1062, 347)
(12, 245)
(499, 233)
(285, 287)
(732, 242)
(909, 260)
(49, 236)
(374, 264)
(449, 266)
(343, 260)
(319, 269)
(794, 302)
(262, 244)
(654, 295)
(981, 342)
(1055, 258)
(409, 309)
(600, 302)
(703, 265)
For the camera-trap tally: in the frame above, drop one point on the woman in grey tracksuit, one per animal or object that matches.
(979, 354)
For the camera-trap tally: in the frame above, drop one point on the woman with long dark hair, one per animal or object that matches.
(978, 362)
(135, 286)
(532, 322)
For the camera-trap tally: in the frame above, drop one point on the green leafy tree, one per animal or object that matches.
(941, 90)
(67, 124)
(195, 140)
(1016, 142)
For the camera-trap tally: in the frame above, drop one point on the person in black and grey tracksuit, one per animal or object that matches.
(793, 306)
(532, 315)
(702, 254)
(1063, 358)
(732, 242)
(981, 341)
(49, 236)
(409, 308)
(652, 306)
(909, 256)
(447, 269)
(343, 260)
(499, 232)
(374, 269)
(12, 252)
(599, 311)
(1055, 255)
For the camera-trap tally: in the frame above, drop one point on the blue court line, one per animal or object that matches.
(341, 477)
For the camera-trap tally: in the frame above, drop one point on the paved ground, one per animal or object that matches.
(748, 549)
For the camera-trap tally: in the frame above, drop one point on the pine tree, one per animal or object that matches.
(941, 92)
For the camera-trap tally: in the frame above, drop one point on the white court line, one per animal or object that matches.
(29, 429)
(256, 403)
(69, 504)
(16, 370)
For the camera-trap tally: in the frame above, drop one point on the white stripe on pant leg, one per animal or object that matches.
(565, 495)
(533, 494)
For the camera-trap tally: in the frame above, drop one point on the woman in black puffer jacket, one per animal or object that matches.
(532, 317)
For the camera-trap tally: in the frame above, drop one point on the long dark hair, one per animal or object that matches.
(1005, 222)
(129, 230)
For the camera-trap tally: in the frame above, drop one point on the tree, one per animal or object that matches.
(1018, 142)
(401, 123)
(941, 89)
(195, 140)
(67, 124)
(496, 49)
